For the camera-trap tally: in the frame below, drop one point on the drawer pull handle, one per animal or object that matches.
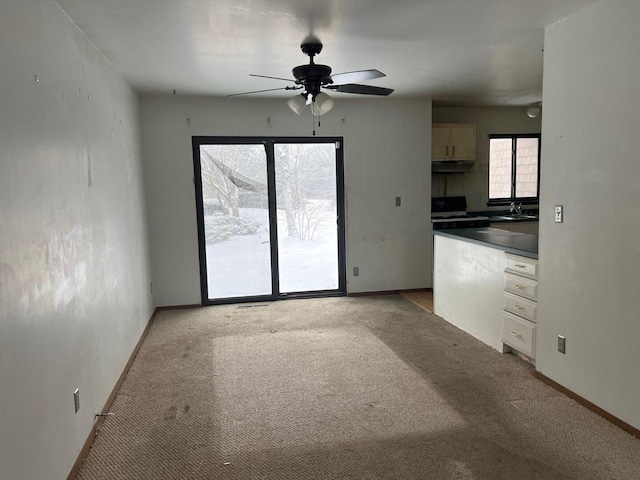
(519, 287)
(517, 335)
(520, 266)
(519, 307)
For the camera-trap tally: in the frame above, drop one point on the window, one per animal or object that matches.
(514, 168)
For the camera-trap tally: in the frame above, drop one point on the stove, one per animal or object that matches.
(451, 212)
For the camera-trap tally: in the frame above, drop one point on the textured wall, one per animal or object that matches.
(386, 154)
(591, 164)
(74, 268)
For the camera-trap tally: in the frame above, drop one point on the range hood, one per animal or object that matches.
(452, 166)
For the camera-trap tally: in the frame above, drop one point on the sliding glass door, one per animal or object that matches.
(270, 217)
(307, 216)
(236, 220)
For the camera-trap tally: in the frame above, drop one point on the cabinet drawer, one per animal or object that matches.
(522, 265)
(519, 334)
(522, 286)
(520, 306)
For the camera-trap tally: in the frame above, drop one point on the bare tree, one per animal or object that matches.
(306, 174)
(305, 179)
(220, 169)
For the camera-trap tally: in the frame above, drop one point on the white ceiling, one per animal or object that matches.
(459, 52)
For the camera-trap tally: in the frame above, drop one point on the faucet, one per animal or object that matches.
(515, 209)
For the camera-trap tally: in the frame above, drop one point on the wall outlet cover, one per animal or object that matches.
(562, 344)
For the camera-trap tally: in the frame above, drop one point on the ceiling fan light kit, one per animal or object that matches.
(322, 104)
(297, 103)
(534, 110)
(313, 77)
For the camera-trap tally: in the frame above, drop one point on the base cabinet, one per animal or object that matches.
(520, 305)
(487, 293)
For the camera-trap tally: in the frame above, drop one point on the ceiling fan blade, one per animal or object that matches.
(273, 78)
(361, 89)
(267, 90)
(359, 76)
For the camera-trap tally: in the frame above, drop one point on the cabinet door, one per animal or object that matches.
(440, 149)
(463, 143)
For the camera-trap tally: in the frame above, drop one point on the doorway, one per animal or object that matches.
(270, 217)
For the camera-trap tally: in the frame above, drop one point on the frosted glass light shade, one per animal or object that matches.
(322, 104)
(297, 104)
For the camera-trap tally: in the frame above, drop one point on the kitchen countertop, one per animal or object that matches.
(512, 242)
(509, 218)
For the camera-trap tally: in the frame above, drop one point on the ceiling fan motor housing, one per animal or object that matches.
(312, 76)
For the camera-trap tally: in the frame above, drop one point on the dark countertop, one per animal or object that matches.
(510, 219)
(512, 242)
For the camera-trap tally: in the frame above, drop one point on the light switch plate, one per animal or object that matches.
(558, 214)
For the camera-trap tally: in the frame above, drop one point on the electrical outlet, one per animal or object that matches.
(76, 399)
(398, 201)
(562, 344)
(356, 271)
(558, 213)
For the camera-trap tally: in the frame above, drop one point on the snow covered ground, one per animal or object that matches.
(241, 266)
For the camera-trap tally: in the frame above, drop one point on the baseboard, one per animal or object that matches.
(177, 307)
(114, 392)
(388, 292)
(587, 404)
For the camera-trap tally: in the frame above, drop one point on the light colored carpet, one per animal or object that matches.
(358, 388)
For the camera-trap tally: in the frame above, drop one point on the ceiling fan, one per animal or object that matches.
(313, 77)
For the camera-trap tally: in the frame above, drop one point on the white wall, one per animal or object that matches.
(591, 164)
(488, 120)
(386, 153)
(74, 269)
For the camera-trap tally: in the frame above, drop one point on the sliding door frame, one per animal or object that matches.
(269, 143)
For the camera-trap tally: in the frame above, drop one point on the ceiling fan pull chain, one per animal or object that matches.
(313, 123)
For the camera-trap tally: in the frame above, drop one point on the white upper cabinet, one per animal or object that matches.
(440, 142)
(453, 141)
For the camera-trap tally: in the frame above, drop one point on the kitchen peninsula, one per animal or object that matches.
(485, 283)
